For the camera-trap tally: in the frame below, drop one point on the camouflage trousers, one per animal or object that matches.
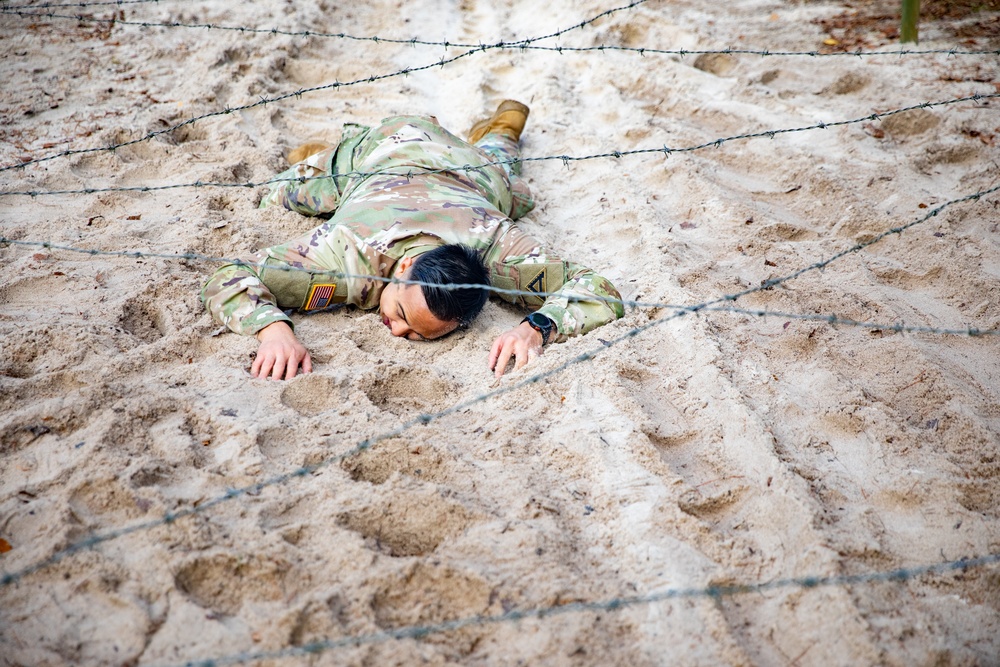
(308, 186)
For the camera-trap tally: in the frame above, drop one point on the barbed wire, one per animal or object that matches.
(369, 79)
(715, 592)
(899, 575)
(834, 320)
(765, 285)
(831, 319)
(426, 418)
(5, 4)
(340, 35)
(254, 489)
(566, 159)
(503, 44)
(302, 91)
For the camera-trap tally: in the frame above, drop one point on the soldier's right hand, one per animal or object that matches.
(280, 353)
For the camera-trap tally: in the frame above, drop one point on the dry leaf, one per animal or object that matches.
(4, 546)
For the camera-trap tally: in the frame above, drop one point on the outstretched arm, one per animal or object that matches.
(235, 296)
(249, 298)
(517, 261)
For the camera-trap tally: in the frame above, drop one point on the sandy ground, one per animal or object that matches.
(708, 450)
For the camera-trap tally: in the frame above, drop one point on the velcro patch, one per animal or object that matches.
(320, 296)
(534, 283)
(542, 279)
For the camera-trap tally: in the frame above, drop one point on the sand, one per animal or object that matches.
(161, 506)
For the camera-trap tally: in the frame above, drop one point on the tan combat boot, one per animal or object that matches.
(508, 120)
(299, 154)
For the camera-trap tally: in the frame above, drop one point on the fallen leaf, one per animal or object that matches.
(830, 41)
(873, 131)
(4, 546)
(688, 225)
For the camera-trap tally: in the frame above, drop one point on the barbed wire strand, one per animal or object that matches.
(831, 319)
(766, 284)
(504, 44)
(302, 91)
(5, 6)
(425, 418)
(566, 159)
(715, 592)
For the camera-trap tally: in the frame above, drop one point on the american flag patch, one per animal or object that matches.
(320, 296)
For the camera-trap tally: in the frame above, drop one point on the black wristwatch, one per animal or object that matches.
(541, 324)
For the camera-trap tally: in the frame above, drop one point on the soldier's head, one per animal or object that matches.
(420, 312)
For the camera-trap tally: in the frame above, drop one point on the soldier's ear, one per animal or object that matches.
(403, 266)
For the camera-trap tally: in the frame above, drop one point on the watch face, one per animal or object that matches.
(543, 324)
(540, 321)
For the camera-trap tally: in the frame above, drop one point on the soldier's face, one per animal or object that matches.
(404, 310)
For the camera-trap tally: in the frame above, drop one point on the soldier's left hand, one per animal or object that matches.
(522, 342)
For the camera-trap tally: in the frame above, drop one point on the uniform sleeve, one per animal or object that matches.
(248, 296)
(519, 262)
(236, 297)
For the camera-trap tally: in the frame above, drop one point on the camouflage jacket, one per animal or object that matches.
(395, 191)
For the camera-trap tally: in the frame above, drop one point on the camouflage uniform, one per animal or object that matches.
(403, 211)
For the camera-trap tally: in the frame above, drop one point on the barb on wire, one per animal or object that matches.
(566, 159)
(425, 418)
(715, 592)
(522, 45)
(336, 85)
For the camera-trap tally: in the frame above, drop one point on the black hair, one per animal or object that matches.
(452, 264)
